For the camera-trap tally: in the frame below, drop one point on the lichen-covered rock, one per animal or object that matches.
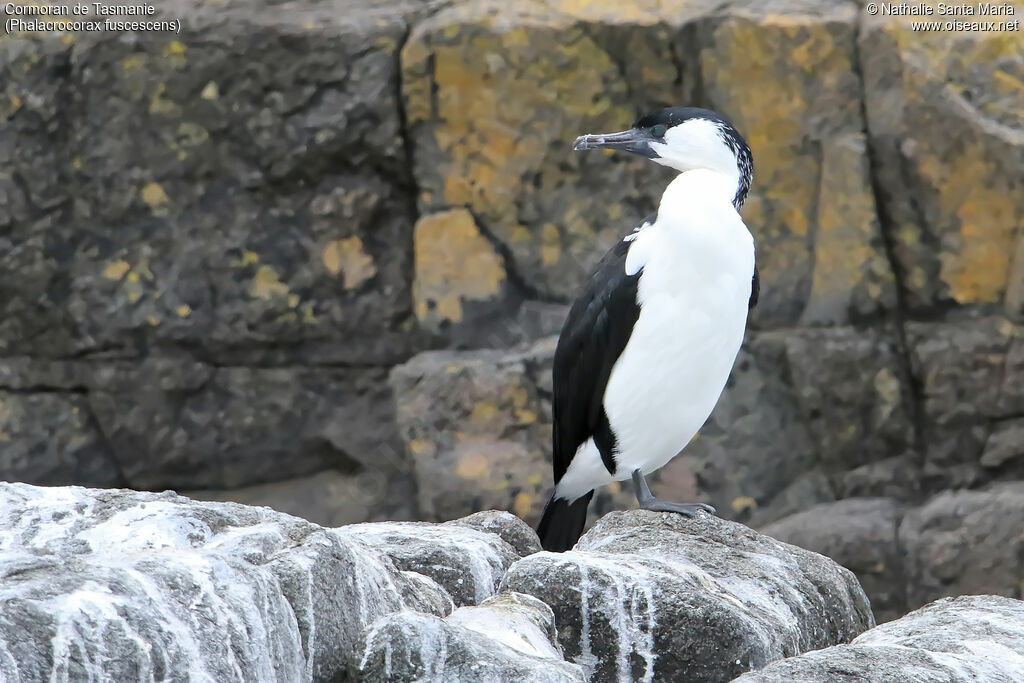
(107, 584)
(496, 91)
(657, 596)
(970, 638)
(944, 119)
(466, 562)
(964, 542)
(238, 211)
(862, 535)
(510, 637)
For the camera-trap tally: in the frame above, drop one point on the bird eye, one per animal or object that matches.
(659, 131)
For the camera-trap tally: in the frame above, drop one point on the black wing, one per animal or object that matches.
(595, 333)
(755, 289)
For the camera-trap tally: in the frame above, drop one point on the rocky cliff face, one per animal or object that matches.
(221, 253)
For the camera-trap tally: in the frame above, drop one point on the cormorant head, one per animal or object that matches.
(684, 138)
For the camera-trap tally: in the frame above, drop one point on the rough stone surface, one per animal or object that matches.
(329, 498)
(123, 585)
(506, 526)
(511, 637)
(964, 542)
(970, 379)
(656, 596)
(970, 638)
(466, 562)
(862, 535)
(940, 110)
(254, 208)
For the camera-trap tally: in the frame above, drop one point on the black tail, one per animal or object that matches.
(562, 523)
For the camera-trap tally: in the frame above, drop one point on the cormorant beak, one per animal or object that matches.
(634, 140)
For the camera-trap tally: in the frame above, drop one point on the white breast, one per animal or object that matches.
(698, 261)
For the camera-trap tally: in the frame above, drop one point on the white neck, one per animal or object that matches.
(700, 186)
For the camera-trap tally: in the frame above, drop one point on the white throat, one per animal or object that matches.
(696, 145)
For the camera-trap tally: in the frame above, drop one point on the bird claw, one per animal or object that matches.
(685, 509)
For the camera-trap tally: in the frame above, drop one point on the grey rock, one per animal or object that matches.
(466, 562)
(964, 542)
(52, 438)
(953, 640)
(655, 595)
(862, 535)
(108, 584)
(1005, 444)
(225, 427)
(508, 637)
(477, 429)
(329, 498)
(252, 214)
(506, 526)
(963, 368)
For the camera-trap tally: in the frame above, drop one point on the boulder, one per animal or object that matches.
(954, 640)
(510, 637)
(938, 112)
(964, 542)
(125, 585)
(657, 596)
(862, 535)
(468, 563)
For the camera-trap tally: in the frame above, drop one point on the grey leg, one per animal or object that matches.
(648, 502)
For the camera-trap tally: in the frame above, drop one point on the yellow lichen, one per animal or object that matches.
(116, 270)
(266, 285)
(454, 262)
(153, 194)
(348, 258)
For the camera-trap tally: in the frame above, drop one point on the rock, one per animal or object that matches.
(964, 542)
(245, 214)
(329, 498)
(658, 596)
(970, 638)
(1005, 444)
(851, 391)
(967, 380)
(477, 429)
(508, 637)
(466, 562)
(937, 113)
(507, 527)
(860, 534)
(52, 438)
(495, 91)
(117, 584)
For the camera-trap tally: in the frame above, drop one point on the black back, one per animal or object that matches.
(595, 333)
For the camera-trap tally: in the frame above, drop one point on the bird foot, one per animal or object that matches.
(687, 509)
(647, 500)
